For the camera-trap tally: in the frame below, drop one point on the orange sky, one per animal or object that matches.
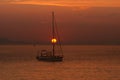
(80, 22)
(69, 3)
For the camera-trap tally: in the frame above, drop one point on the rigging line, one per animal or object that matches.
(58, 36)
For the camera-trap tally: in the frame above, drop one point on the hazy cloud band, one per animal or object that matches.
(71, 3)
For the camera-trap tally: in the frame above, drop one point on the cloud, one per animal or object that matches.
(68, 3)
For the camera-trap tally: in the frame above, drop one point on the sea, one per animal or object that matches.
(81, 62)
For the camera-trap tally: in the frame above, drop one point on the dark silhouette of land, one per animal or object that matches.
(5, 41)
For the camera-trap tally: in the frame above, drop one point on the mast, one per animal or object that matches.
(53, 33)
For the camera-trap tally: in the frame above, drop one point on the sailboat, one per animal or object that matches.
(52, 55)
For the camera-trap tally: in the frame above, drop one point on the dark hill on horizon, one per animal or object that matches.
(5, 41)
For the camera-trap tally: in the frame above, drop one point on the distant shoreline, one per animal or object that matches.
(62, 44)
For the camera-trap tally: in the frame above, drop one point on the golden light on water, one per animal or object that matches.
(54, 40)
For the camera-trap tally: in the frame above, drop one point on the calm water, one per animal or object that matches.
(81, 63)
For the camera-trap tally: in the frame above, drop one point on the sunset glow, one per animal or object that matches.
(69, 3)
(54, 40)
(78, 21)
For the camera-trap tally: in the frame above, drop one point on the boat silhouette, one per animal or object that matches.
(52, 55)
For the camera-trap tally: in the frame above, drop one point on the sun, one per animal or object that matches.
(54, 40)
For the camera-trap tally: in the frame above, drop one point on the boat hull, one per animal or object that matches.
(50, 58)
